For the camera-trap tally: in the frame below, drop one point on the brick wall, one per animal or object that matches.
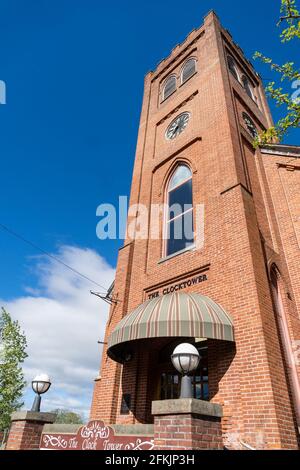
(187, 424)
(186, 432)
(24, 436)
(26, 430)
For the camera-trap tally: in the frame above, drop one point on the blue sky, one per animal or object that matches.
(74, 74)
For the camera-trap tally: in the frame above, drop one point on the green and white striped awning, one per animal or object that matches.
(178, 314)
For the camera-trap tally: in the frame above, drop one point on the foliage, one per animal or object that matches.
(290, 17)
(12, 354)
(67, 417)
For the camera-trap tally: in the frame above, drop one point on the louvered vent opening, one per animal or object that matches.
(188, 70)
(169, 87)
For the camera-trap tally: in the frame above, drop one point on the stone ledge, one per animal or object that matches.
(61, 428)
(185, 406)
(119, 429)
(133, 429)
(33, 416)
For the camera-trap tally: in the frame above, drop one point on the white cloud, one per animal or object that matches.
(63, 322)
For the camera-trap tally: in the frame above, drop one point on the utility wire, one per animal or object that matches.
(20, 237)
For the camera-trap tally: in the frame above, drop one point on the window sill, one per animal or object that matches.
(173, 255)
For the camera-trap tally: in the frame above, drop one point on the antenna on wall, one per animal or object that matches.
(108, 296)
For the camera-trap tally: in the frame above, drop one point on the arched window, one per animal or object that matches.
(179, 230)
(169, 87)
(188, 70)
(247, 86)
(232, 67)
(250, 125)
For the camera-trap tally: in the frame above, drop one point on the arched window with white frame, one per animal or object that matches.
(233, 67)
(179, 224)
(247, 86)
(188, 70)
(169, 87)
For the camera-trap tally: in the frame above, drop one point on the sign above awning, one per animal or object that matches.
(173, 315)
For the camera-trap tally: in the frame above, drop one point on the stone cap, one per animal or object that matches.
(61, 428)
(133, 429)
(185, 406)
(119, 429)
(36, 416)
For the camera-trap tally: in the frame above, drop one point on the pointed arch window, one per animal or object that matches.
(179, 230)
(188, 70)
(169, 87)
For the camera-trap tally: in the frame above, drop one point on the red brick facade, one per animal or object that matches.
(252, 224)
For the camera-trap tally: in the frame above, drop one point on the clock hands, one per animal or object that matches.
(175, 130)
(177, 126)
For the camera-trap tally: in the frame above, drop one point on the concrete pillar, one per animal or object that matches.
(26, 429)
(187, 424)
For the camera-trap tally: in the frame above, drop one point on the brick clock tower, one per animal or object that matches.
(231, 287)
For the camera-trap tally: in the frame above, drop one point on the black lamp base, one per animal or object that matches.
(186, 390)
(37, 403)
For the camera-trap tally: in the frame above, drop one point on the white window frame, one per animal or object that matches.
(182, 68)
(250, 86)
(235, 67)
(164, 86)
(166, 211)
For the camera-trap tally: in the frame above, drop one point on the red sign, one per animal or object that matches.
(95, 436)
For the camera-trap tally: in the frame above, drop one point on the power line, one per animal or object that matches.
(20, 237)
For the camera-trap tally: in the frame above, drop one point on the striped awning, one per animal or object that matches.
(178, 314)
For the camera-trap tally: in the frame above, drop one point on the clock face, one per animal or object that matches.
(177, 126)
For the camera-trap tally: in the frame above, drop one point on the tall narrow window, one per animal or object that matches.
(232, 66)
(188, 70)
(179, 222)
(169, 87)
(247, 86)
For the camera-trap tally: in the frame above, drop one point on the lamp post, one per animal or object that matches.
(185, 359)
(40, 384)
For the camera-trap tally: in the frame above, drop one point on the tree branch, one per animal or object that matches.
(289, 17)
(292, 14)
